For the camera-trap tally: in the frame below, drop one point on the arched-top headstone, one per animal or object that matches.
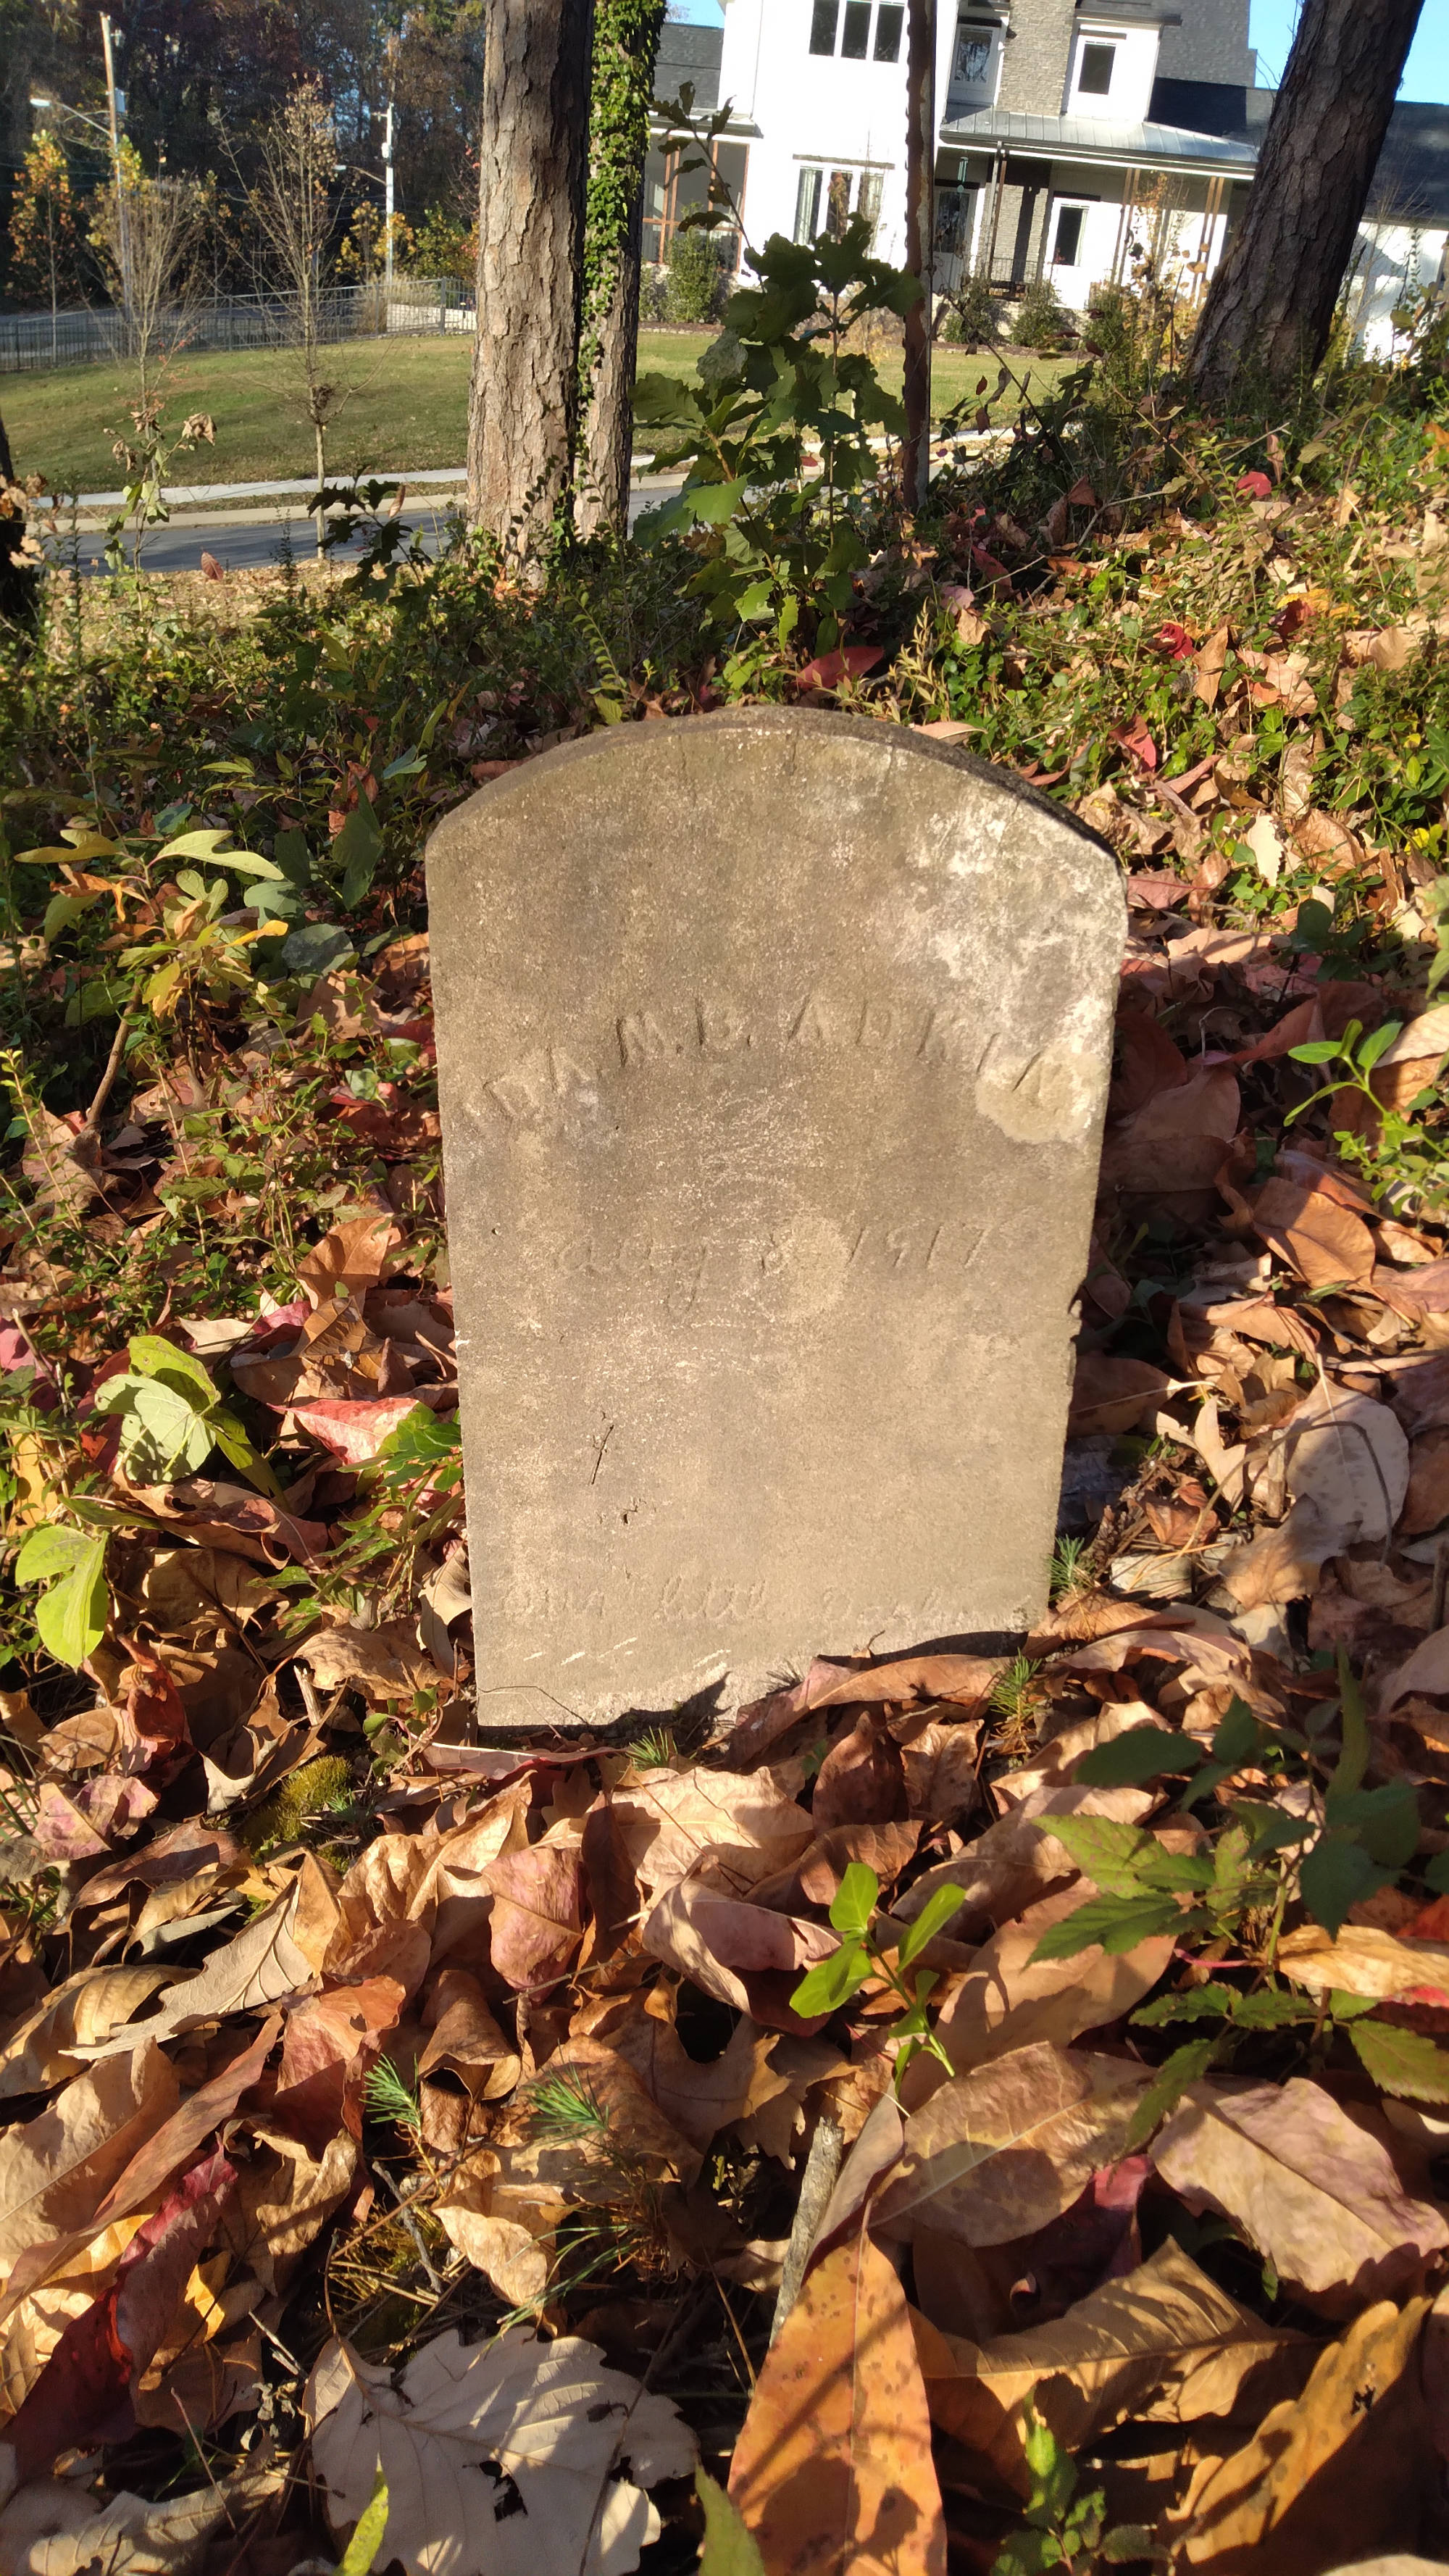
(772, 1051)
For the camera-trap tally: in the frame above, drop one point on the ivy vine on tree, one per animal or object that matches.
(626, 44)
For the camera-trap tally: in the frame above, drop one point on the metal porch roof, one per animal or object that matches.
(1091, 138)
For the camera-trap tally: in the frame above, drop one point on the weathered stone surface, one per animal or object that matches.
(773, 1050)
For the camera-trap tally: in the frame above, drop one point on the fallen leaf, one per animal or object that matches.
(1266, 843)
(537, 1914)
(552, 2417)
(832, 2472)
(56, 2168)
(862, 1779)
(1163, 2344)
(1346, 1466)
(55, 2527)
(260, 1966)
(997, 2153)
(1014, 1862)
(1364, 1961)
(1007, 1999)
(1310, 2189)
(1334, 2474)
(670, 1820)
(1114, 1394)
(1323, 1241)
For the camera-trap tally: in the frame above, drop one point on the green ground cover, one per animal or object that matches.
(407, 408)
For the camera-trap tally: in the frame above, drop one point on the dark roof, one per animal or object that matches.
(689, 54)
(1412, 179)
(1094, 138)
(1213, 107)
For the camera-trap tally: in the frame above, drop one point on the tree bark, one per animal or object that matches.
(1270, 308)
(7, 463)
(533, 165)
(920, 242)
(609, 435)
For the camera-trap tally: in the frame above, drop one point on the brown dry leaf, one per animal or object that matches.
(1014, 1862)
(538, 1917)
(261, 1966)
(832, 2472)
(745, 1819)
(55, 2169)
(283, 2200)
(1005, 2001)
(1163, 2344)
(466, 2038)
(1209, 665)
(697, 2098)
(1306, 2185)
(862, 1779)
(1322, 1240)
(55, 2527)
(516, 2262)
(55, 2040)
(1345, 1463)
(941, 1765)
(1114, 1394)
(1266, 843)
(998, 2153)
(721, 1944)
(384, 1663)
(1426, 1672)
(1329, 2476)
(352, 1257)
(1362, 1961)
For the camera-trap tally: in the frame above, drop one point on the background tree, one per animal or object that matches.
(45, 233)
(533, 164)
(1269, 310)
(626, 45)
(293, 202)
(160, 223)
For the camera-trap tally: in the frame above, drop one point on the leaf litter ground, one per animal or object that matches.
(1068, 2030)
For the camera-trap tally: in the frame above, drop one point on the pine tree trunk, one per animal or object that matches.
(533, 164)
(609, 435)
(1270, 308)
(7, 462)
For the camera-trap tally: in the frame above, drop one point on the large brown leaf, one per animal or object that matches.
(1014, 1862)
(832, 2472)
(670, 1819)
(1307, 2186)
(1164, 2343)
(1330, 2476)
(261, 1966)
(1000, 2152)
(1009, 2000)
(1362, 1960)
(55, 2170)
(537, 1913)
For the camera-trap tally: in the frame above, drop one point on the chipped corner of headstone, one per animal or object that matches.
(773, 1054)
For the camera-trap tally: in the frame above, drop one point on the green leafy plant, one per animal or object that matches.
(1400, 1153)
(71, 1616)
(778, 542)
(1064, 2529)
(832, 1982)
(172, 1418)
(1355, 1842)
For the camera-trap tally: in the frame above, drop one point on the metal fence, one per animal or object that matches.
(100, 333)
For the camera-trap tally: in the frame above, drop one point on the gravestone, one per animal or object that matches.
(772, 1051)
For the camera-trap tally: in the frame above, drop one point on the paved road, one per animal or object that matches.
(243, 543)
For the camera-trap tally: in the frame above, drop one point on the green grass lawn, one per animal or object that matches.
(407, 408)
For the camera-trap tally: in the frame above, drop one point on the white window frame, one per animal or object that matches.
(1114, 39)
(1067, 206)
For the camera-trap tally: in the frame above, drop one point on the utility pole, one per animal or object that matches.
(387, 202)
(113, 105)
(920, 243)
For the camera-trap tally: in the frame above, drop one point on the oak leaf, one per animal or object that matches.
(552, 2417)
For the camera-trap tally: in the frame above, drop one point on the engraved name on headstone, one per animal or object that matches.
(773, 1048)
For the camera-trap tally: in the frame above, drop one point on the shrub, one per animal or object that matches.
(696, 279)
(1040, 322)
(972, 323)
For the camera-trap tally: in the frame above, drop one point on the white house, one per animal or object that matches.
(1067, 133)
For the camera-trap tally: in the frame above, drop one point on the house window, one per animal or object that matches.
(1067, 249)
(826, 200)
(825, 18)
(1094, 72)
(973, 59)
(848, 30)
(855, 43)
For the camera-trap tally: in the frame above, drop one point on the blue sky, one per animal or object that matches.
(1427, 73)
(1427, 76)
